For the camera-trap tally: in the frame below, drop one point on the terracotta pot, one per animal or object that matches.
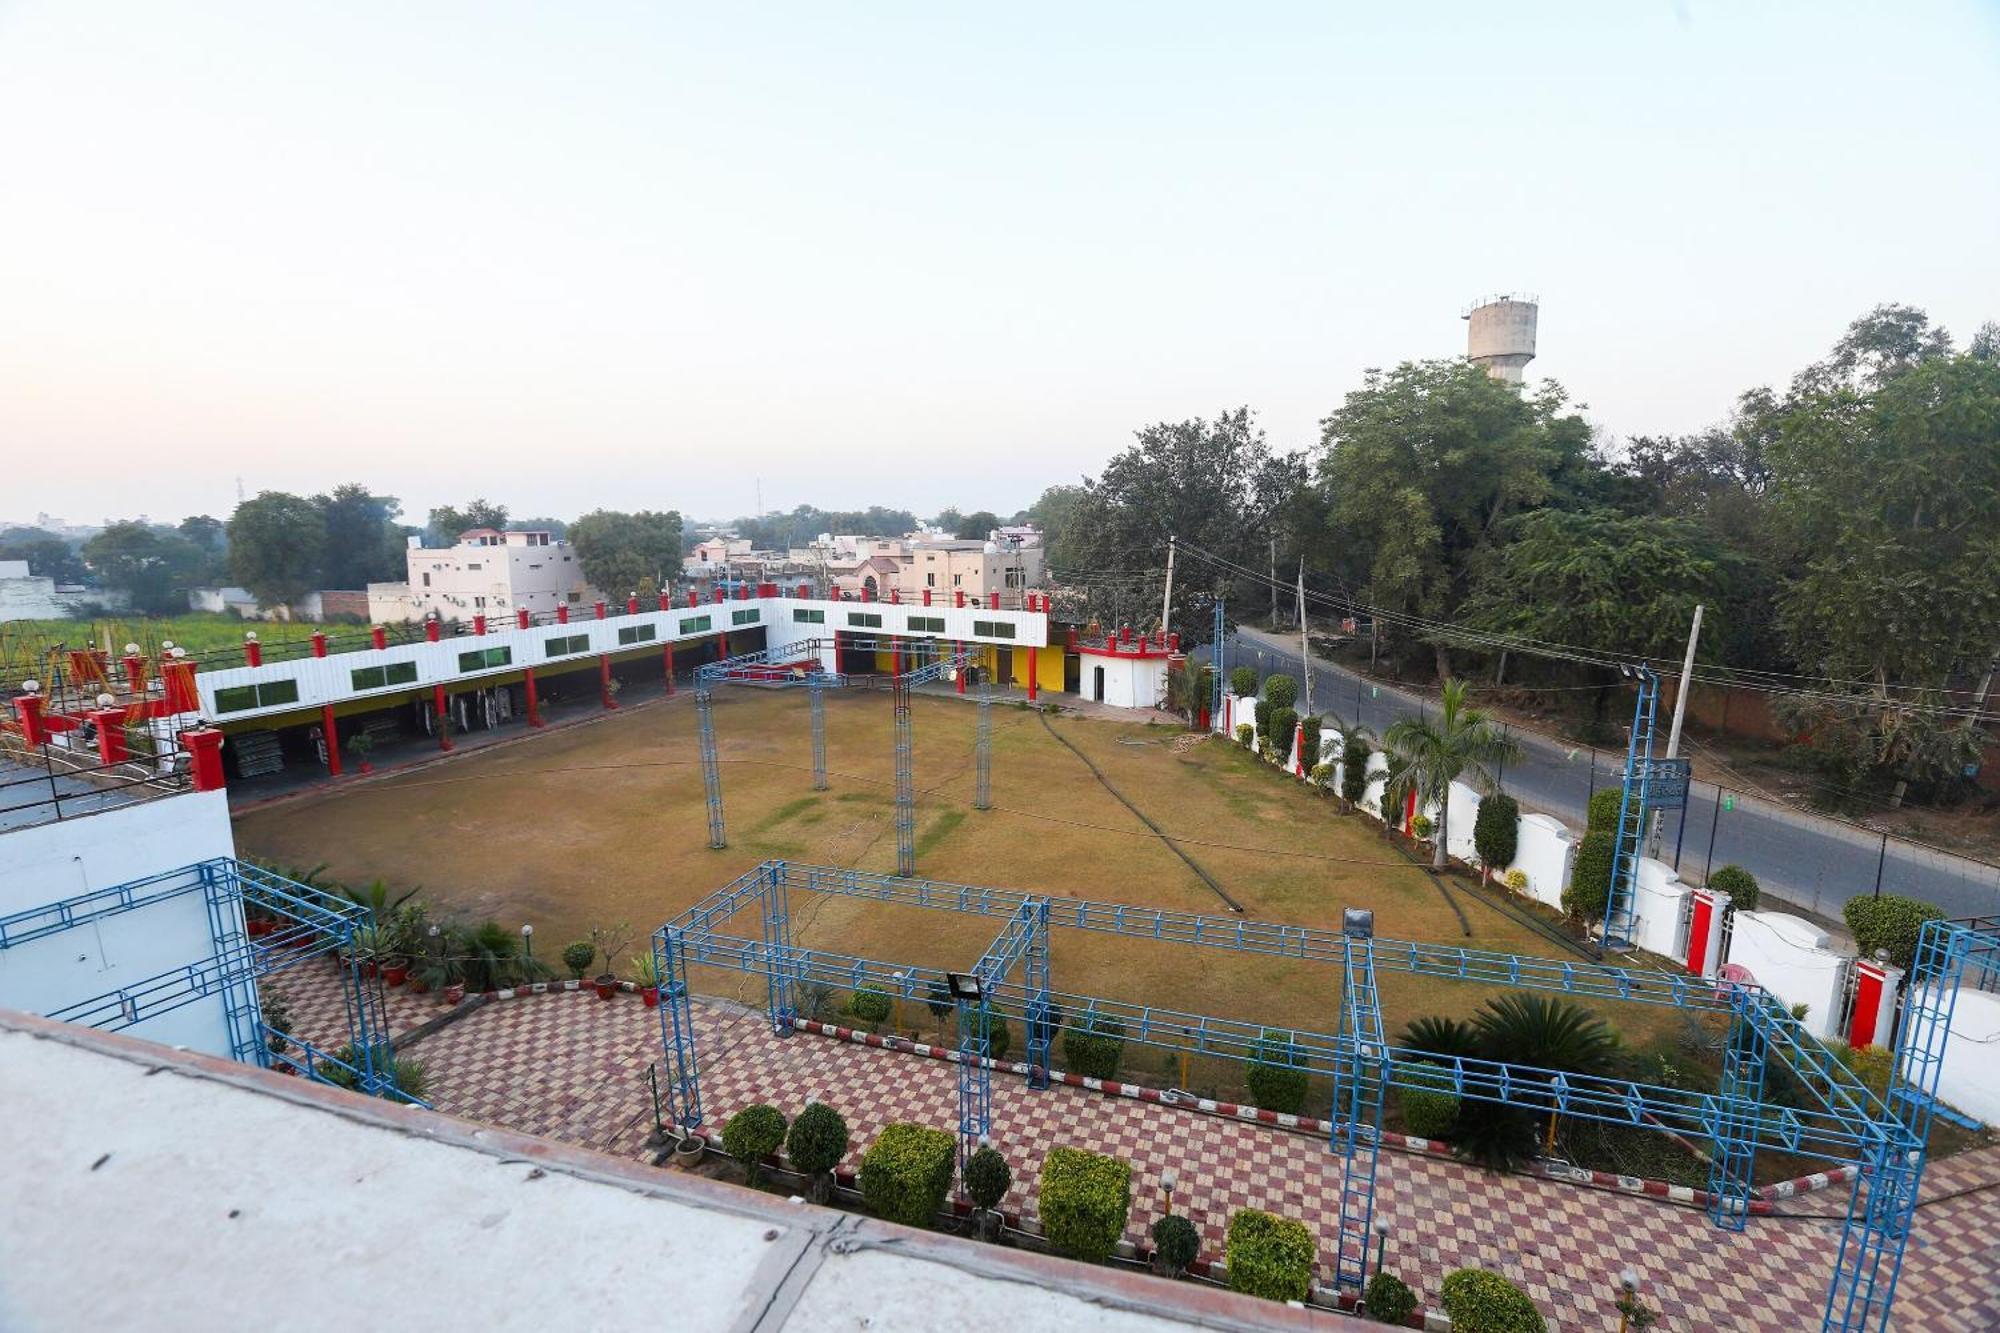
(367, 767)
(371, 969)
(258, 926)
(418, 986)
(453, 994)
(607, 986)
(651, 995)
(394, 974)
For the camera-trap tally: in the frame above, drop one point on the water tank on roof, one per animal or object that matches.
(1500, 335)
(992, 548)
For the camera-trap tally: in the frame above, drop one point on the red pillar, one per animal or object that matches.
(379, 635)
(433, 630)
(958, 596)
(993, 601)
(956, 648)
(666, 602)
(604, 679)
(895, 659)
(319, 643)
(443, 715)
(668, 650)
(1034, 669)
(600, 610)
(479, 626)
(692, 599)
(182, 697)
(332, 732)
(253, 651)
(534, 709)
(521, 618)
(135, 673)
(721, 593)
(110, 734)
(204, 747)
(1869, 978)
(895, 596)
(28, 708)
(805, 592)
(927, 596)
(632, 604)
(1698, 928)
(562, 613)
(867, 593)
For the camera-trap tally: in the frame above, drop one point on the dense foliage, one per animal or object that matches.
(753, 1134)
(1389, 1299)
(1429, 752)
(1269, 1256)
(1890, 923)
(1093, 1047)
(1477, 1301)
(817, 1140)
(1175, 1242)
(1084, 1199)
(987, 1177)
(1589, 887)
(1739, 884)
(1276, 1080)
(1496, 831)
(906, 1173)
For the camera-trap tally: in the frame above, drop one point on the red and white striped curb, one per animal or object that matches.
(1409, 1143)
(1818, 1180)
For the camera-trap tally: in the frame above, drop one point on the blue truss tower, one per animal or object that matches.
(711, 765)
(982, 758)
(1621, 906)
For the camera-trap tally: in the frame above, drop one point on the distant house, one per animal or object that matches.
(26, 596)
(487, 572)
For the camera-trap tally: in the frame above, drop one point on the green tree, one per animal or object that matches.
(363, 543)
(48, 556)
(153, 566)
(210, 536)
(976, 526)
(621, 552)
(447, 522)
(1424, 463)
(275, 545)
(1428, 753)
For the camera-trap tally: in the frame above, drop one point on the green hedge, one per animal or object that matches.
(1739, 884)
(906, 1173)
(753, 1134)
(1175, 1242)
(1284, 723)
(1389, 1299)
(1496, 831)
(1604, 806)
(1094, 1053)
(1589, 886)
(1274, 1083)
(870, 1004)
(1270, 1256)
(1084, 1199)
(1243, 681)
(1354, 769)
(1889, 922)
(1429, 1113)
(1481, 1302)
(987, 1177)
(1281, 690)
(1309, 752)
(817, 1140)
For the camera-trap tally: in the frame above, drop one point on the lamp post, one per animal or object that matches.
(1168, 1179)
(1381, 1242)
(1628, 1301)
(528, 942)
(896, 1001)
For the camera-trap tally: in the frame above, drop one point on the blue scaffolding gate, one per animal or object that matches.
(1840, 1119)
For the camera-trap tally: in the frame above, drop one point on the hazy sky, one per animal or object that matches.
(578, 255)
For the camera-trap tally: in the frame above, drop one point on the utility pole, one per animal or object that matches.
(1305, 648)
(1167, 601)
(1680, 712)
(1274, 583)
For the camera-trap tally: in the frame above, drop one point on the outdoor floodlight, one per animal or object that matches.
(965, 986)
(105, 701)
(131, 647)
(1357, 923)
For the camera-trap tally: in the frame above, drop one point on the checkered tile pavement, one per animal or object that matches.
(314, 992)
(573, 1067)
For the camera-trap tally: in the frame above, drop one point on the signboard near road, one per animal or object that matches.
(1666, 783)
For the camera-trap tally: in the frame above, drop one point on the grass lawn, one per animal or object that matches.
(198, 632)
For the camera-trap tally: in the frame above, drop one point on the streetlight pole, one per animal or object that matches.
(1674, 731)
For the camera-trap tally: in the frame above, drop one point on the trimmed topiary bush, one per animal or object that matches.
(1891, 923)
(1739, 884)
(1496, 831)
(1246, 735)
(1284, 724)
(1175, 1243)
(1481, 1302)
(1243, 681)
(577, 957)
(1604, 806)
(1421, 827)
(906, 1173)
(1309, 752)
(1269, 1256)
(1389, 1300)
(870, 1004)
(1517, 880)
(1094, 1047)
(1281, 690)
(1429, 1113)
(1590, 878)
(1084, 1199)
(1275, 1083)
(753, 1134)
(815, 1144)
(1262, 712)
(987, 1177)
(1354, 770)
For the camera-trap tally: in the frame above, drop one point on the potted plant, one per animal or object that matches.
(610, 942)
(578, 956)
(361, 744)
(987, 1179)
(367, 947)
(646, 975)
(1175, 1244)
(278, 1028)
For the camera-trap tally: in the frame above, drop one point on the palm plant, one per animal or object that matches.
(1546, 1033)
(375, 897)
(1427, 754)
(1442, 1036)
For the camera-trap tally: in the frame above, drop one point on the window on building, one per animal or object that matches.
(479, 602)
(695, 625)
(926, 624)
(749, 617)
(1011, 574)
(427, 580)
(575, 596)
(565, 644)
(637, 633)
(865, 619)
(381, 677)
(485, 659)
(475, 565)
(993, 629)
(802, 616)
(957, 579)
(266, 694)
(930, 580)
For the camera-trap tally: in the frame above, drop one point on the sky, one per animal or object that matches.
(654, 255)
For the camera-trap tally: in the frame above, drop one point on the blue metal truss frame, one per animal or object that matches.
(314, 923)
(1848, 1123)
(1621, 903)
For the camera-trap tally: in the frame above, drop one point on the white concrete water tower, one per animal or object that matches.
(1500, 334)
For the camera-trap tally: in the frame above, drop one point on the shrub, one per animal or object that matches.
(1496, 831)
(1275, 1083)
(1322, 773)
(1354, 769)
(817, 1140)
(998, 1038)
(1604, 806)
(1094, 1048)
(1386, 805)
(1739, 884)
(987, 1177)
(1283, 723)
(1243, 681)
(870, 1004)
(906, 1173)
(1269, 1256)
(1246, 735)
(1281, 690)
(1481, 1302)
(577, 957)
(1590, 879)
(1517, 880)
(1889, 922)
(1262, 712)
(1421, 827)
(1309, 752)
(753, 1134)
(1175, 1242)
(1084, 1199)
(1389, 1299)
(1429, 1113)
(1871, 1064)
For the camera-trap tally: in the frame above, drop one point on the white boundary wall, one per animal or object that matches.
(1794, 960)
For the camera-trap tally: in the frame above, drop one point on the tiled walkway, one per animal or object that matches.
(573, 1067)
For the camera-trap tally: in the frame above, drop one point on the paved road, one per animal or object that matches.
(1808, 860)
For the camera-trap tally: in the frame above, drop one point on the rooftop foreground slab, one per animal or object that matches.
(174, 1191)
